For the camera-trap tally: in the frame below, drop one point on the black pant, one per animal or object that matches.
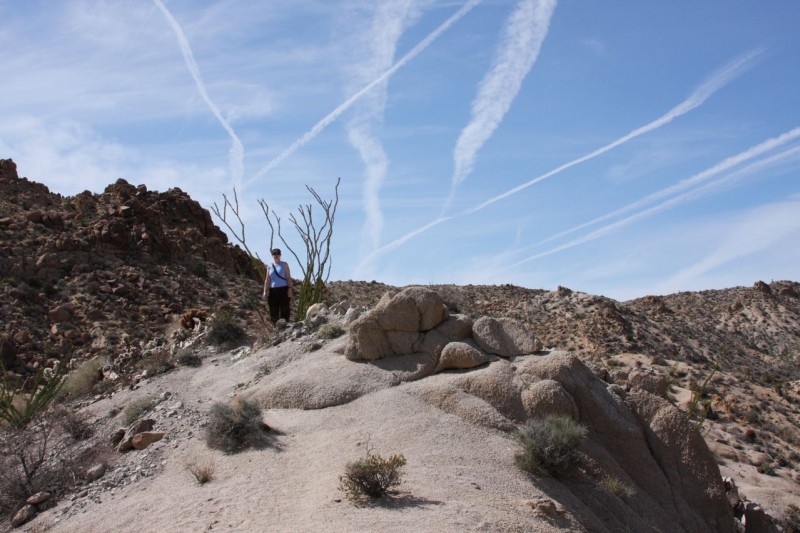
(279, 303)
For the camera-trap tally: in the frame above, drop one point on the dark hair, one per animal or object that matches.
(276, 251)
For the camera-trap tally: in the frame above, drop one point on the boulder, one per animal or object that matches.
(461, 355)
(146, 438)
(23, 515)
(650, 382)
(412, 309)
(95, 472)
(456, 327)
(505, 337)
(548, 397)
(145, 424)
(367, 341)
(38, 498)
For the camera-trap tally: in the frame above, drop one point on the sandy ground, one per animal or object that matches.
(459, 477)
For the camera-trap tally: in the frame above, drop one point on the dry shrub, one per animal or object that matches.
(74, 423)
(189, 359)
(616, 486)
(223, 329)
(371, 476)
(158, 361)
(233, 428)
(135, 409)
(33, 459)
(331, 331)
(81, 381)
(202, 469)
(550, 445)
(187, 318)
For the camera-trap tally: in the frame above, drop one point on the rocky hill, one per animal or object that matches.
(103, 274)
(108, 275)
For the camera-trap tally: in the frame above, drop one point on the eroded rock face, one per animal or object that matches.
(637, 438)
(416, 321)
(505, 337)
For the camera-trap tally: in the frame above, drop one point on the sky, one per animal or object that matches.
(616, 148)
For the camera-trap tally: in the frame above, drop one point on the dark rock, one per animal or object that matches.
(23, 515)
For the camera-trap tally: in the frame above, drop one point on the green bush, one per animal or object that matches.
(135, 409)
(189, 359)
(223, 329)
(42, 394)
(616, 486)
(233, 428)
(550, 445)
(331, 331)
(372, 476)
(81, 381)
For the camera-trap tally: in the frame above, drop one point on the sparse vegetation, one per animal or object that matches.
(135, 409)
(550, 445)
(615, 486)
(371, 476)
(19, 411)
(81, 381)
(74, 423)
(202, 469)
(188, 318)
(331, 331)
(157, 361)
(189, 359)
(233, 428)
(223, 329)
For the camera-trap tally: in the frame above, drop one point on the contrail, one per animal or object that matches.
(389, 22)
(700, 177)
(713, 83)
(522, 40)
(333, 115)
(236, 152)
(667, 204)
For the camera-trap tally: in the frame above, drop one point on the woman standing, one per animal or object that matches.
(278, 288)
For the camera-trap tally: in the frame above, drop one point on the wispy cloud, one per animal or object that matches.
(236, 152)
(388, 23)
(344, 106)
(718, 79)
(753, 232)
(694, 194)
(521, 42)
(723, 166)
(712, 84)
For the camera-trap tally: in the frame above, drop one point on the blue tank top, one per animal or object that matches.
(277, 275)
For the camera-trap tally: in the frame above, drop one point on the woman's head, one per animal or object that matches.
(276, 254)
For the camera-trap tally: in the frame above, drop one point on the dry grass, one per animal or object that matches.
(616, 486)
(202, 469)
(135, 409)
(371, 476)
(81, 381)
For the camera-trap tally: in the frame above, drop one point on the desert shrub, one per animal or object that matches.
(233, 428)
(792, 518)
(615, 486)
(74, 423)
(331, 331)
(223, 329)
(135, 409)
(550, 445)
(314, 346)
(32, 460)
(202, 469)
(158, 361)
(189, 359)
(81, 381)
(371, 476)
(43, 392)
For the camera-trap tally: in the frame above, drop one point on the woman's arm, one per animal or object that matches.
(288, 278)
(266, 283)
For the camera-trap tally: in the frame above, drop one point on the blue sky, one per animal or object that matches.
(618, 148)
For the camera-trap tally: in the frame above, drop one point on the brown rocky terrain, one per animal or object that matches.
(108, 275)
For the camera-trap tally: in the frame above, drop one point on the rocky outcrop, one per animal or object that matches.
(637, 437)
(127, 259)
(416, 321)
